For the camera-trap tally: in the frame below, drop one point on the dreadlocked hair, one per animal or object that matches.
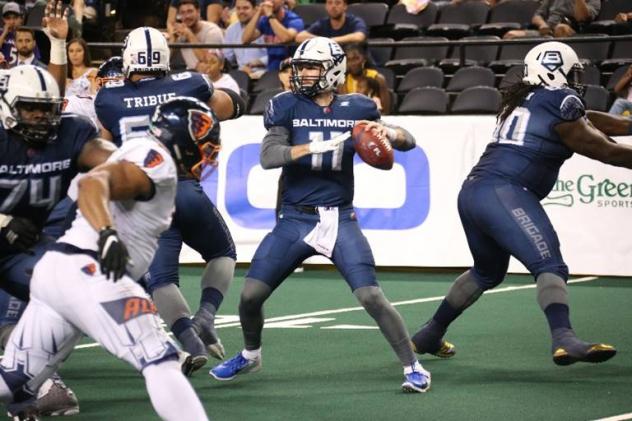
(512, 97)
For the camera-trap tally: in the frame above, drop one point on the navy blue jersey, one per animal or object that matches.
(125, 107)
(34, 180)
(319, 179)
(526, 149)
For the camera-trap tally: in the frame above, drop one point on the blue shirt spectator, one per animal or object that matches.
(339, 25)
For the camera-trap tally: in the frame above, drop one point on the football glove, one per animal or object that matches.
(18, 232)
(113, 255)
(328, 145)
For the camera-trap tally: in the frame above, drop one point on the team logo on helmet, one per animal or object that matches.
(552, 60)
(200, 124)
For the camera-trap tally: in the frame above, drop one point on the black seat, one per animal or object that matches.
(466, 77)
(35, 15)
(242, 79)
(616, 75)
(269, 80)
(389, 76)
(512, 76)
(401, 24)
(508, 15)
(597, 98)
(477, 100)
(604, 23)
(420, 78)
(593, 51)
(474, 54)
(511, 55)
(592, 75)
(406, 58)
(458, 20)
(311, 12)
(381, 55)
(429, 100)
(373, 14)
(263, 98)
(619, 57)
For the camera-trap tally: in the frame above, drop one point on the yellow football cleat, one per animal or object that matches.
(595, 353)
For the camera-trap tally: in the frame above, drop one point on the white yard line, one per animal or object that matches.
(621, 417)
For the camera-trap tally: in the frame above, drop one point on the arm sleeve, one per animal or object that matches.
(296, 24)
(567, 106)
(275, 148)
(543, 10)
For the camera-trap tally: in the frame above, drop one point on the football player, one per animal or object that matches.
(541, 124)
(85, 283)
(41, 150)
(124, 109)
(317, 215)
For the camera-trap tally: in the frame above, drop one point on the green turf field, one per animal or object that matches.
(324, 360)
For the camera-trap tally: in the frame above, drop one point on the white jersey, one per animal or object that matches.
(139, 223)
(82, 105)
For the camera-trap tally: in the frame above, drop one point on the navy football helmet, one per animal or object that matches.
(190, 130)
(110, 70)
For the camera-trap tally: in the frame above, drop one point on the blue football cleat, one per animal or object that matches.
(417, 381)
(236, 365)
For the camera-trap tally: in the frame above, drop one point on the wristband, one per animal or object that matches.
(57, 51)
(4, 220)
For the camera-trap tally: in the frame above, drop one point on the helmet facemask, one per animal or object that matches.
(36, 119)
(301, 84)
(575, 79)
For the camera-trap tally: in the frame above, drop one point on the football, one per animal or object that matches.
(375, 151)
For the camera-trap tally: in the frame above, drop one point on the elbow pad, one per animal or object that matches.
(239, 106)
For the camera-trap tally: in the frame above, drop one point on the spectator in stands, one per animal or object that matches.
(278, 25)
(213, 65)
(210, 10)
(339, 25)
(623, 105)
(80, 74)
(623, 23)
(358, 69)
(253, 61)
(12, 17)
(25, 45)
(560, 18)
(285, 72)
(193, 30)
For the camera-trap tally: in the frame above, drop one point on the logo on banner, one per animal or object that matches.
(587, 189)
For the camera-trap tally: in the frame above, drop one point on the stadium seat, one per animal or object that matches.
(311, 12)
(457, 20)
(597, 98)
(616, 75)
(592, 75)
(508, 15)
(269, 80)
(35, 15)
(381, 55)
(477, 100)
(593, 51)
(177, 63)
(474, 54)
(511, 55)
(373, 14)
(467, 77)
(605, 20)
(512, 75)
(429, 100)
(620, 56)
(242, 79)
(261, 101)
(421, 77)
(406, 58)
(389, 75)
(401, 24)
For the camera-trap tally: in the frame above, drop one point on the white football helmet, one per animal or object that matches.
(28, 88)
(145, 50)
(552, 64)
(329, 56)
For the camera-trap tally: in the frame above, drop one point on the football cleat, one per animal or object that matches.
(416, 381)
(204, 325)
(429, 340)
(568, 349)
(54, 398)
(193, 345)
(236, 365)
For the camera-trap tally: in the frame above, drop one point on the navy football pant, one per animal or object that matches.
(502, 219)
(283, 250)
(196, 222)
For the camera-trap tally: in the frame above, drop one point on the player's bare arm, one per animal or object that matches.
(583, 138)
(226, 104)
(95, 152)
(55, 24)
(400, 138)
(610, 124)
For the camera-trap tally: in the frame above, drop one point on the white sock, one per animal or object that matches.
(255, 354)
(171, 393)
(416, 366)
